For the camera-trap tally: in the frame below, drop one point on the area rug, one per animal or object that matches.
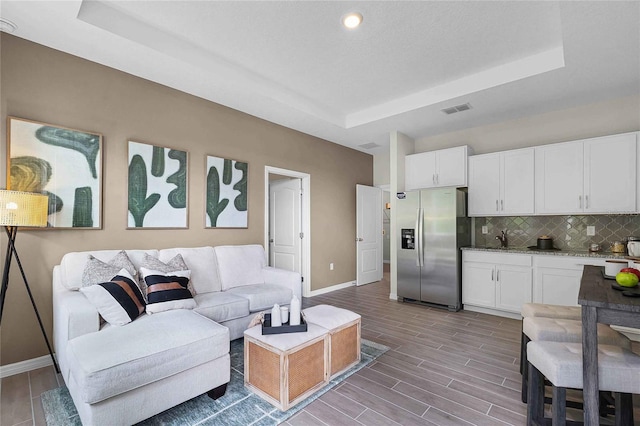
(238, 406)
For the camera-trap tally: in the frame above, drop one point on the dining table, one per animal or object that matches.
(602, 301)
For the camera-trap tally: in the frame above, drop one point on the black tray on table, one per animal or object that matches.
(284, 328)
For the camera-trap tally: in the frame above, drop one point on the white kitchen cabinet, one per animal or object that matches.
(496, 280)
(610, 174)
(556, 279)
(502, 184)
(445, 167)
(592, 176)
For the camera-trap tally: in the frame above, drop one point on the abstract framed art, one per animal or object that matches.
(64, 164)
(226, 198)
(157, 187)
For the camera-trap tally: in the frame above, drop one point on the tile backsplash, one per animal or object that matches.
(568, 232)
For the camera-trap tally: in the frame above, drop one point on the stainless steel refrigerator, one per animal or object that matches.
(432, 225)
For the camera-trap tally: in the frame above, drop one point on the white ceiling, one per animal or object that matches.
(292, 63)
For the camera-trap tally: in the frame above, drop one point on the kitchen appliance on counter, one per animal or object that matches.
(432, 226)
(543, 243)
(633, 246)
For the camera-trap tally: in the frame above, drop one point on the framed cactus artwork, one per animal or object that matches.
(157, 184)
(226, 193)
(64, 164)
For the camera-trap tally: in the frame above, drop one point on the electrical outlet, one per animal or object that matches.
(485, 229)
(591, 231)
(331, 266)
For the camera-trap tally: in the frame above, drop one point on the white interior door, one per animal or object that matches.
(369, 238)
(284, 224)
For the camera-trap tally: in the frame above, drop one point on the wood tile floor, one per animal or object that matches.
(444, 368)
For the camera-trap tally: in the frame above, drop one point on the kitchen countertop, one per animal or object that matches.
(568, 252)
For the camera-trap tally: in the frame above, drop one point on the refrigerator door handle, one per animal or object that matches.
(417, 237)
(421, 236)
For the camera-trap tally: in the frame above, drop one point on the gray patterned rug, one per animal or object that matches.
(238, 406)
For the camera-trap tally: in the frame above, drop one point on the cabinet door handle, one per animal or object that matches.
(586, 201)
(497, 275)
(580, 201)
(492, 272)
(433, 178)
(497, 209)
(502, 205)
(437, 178)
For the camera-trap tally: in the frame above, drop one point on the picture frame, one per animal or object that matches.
(226, 196)
(63, 163)
(157, 187)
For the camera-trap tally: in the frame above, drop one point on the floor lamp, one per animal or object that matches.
(21, 209)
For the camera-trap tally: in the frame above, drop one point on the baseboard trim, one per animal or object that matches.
(332, 288)
(24, 366)
(393, 296)
(495, 312)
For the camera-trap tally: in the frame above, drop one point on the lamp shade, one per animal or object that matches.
(19, 208)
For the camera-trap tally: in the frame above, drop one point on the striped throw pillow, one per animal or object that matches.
(119, 301)
(167, 290)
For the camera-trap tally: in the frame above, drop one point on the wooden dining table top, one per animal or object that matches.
(597, 291)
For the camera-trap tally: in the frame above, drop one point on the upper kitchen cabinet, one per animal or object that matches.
(593, 176)
(445, 167)
(502, 184)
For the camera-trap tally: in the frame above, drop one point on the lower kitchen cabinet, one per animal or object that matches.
(498, 281)
(557, 278)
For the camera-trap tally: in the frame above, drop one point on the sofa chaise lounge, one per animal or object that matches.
(120, 375)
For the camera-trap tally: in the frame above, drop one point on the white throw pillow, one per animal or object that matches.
(119, 301)
(167, 290)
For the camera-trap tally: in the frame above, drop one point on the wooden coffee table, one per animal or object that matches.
(284, 369)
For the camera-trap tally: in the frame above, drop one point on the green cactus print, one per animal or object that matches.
(241, 200)
(139, 204)
(178, 197)
(157, 161)
(215, 206)
(227, 172)
(85, 143)
(82, 207)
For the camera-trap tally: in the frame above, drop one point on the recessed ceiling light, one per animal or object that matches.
(7, 26)
(352, 20)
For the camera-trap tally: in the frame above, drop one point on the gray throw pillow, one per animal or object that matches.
(96, 271)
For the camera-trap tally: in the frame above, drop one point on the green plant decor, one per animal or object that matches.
(215, 206)
(178, 197)
(85, 143)
(241, 200)
(139, 204)
(157, 161)
(82, 207)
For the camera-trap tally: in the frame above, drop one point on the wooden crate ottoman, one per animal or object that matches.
(286, 368)
(344, 332)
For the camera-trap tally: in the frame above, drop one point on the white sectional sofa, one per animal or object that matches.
(120, 375)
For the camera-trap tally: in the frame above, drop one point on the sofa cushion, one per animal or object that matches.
(167, 290)
(202, 263)
(96, 271)
(221, 306)
(72, 264)
(263, 296)
(119, 301)
(240, 265)
(176, 263)
(118, 359)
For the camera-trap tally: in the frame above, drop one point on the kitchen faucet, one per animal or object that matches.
(503, 239)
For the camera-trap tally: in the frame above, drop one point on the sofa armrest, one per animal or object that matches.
(73, 316)
(289, 279)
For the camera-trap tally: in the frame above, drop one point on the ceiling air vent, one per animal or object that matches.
(457, 108)
(369, 145)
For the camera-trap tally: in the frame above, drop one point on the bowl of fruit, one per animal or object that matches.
(628, 277)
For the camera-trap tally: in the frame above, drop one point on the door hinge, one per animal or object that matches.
(302, 279)
(301, 235)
